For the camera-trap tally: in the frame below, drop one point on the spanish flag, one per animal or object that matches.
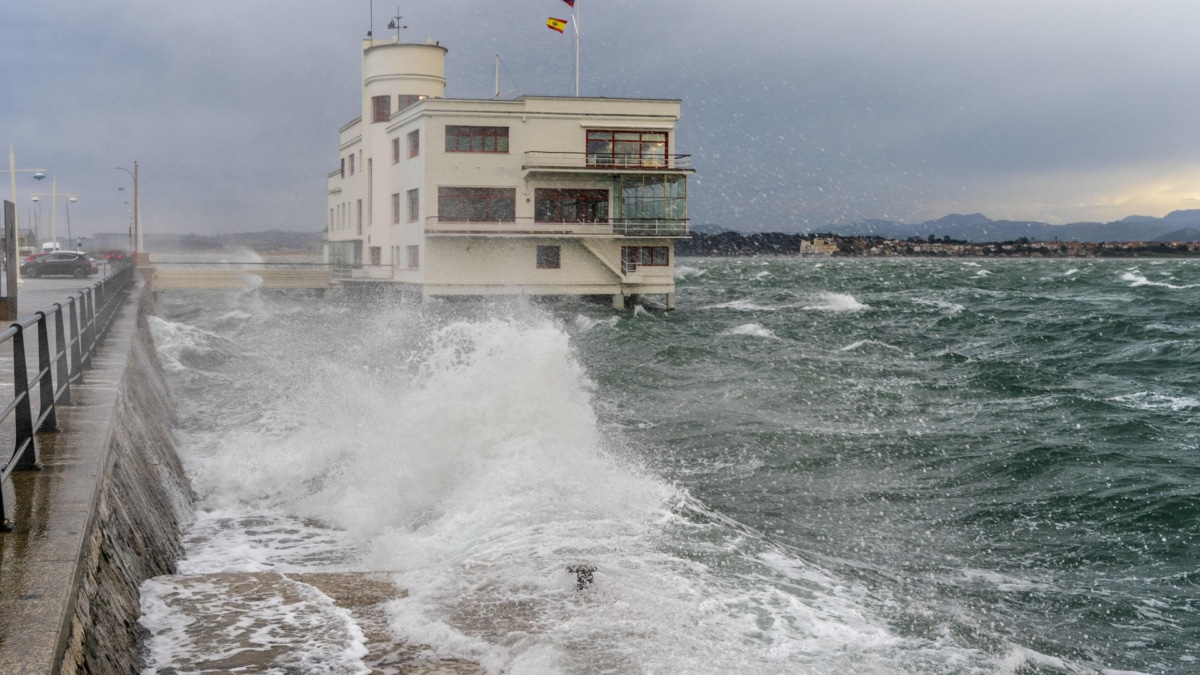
(556, 24)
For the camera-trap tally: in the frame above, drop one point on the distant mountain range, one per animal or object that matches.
(976, 227)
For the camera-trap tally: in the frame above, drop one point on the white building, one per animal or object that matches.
(538, 195)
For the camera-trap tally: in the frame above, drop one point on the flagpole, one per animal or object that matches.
(576, 8)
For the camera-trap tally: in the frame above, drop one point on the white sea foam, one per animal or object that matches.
(465, 457)
(742, 305)
(1136, 278)
(585, 323)
(837, 302)
(753, 330)
(1003, 582)
(685, 272)
(863, 343)
(951, 308)
(1147, 400)
(199, 619)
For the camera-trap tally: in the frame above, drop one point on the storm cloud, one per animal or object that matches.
(797, 114)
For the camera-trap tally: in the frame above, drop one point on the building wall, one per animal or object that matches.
(535, 124)
(512, 261)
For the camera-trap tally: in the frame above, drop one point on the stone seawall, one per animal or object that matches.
(103, 516)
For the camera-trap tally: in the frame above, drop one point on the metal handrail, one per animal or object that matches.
(541, 159)
(629, 227)
(75, 345)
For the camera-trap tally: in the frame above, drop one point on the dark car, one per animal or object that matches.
(59, 262)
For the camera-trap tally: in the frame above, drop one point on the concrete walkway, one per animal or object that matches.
(51, 509)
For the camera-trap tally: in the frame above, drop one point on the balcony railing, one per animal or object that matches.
(606, 161)
(627, 227)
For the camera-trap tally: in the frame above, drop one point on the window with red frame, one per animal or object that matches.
(548, 257)
(381, 107)
(626, 148)
(633, 257)
(477, 205)
(476, 139)
(414, 205)
(569, 206)
(414, 143)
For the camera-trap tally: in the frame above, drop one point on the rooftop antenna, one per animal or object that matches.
(395, 23)
(371, 25)
(516, 88)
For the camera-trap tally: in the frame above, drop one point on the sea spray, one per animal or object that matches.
(928, 471)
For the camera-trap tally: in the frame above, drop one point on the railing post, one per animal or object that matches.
(89, 328)
(60, 354)
(28, 460)
(45, 381)
(76, 357)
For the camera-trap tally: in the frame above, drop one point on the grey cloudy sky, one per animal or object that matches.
(798, 114)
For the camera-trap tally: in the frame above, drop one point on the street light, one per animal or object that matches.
(69, 239)
(38, 174)
(137, 232)
(54, 195)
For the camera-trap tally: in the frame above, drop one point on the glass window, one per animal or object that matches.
(395, 207)
(475, 205)
(414, 205)
(633, 257)
(382, 108)
(395, 150)
(652, 198)
(548, 257)
(476, 139)
(626, 148)
(570, 206)
(414, 143)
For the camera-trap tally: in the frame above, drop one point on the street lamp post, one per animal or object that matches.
(54, 195)
(137, 232)
(70, 241)
(38, 174)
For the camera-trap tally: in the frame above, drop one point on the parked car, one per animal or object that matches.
(66, 263)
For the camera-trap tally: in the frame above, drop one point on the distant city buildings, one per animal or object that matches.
(776, 243)
(536, 196)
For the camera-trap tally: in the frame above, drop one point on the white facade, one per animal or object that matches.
(537, 196)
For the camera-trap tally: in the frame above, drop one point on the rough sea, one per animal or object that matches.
(810, 466)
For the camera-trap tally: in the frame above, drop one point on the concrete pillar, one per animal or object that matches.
(618, 301)
(670, 301)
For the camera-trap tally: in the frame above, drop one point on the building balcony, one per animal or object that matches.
(620, 227)
(583, 162)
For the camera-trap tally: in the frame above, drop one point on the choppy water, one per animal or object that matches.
(870, 466)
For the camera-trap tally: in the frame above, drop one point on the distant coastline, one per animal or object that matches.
(776, 243)
(963, 235)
